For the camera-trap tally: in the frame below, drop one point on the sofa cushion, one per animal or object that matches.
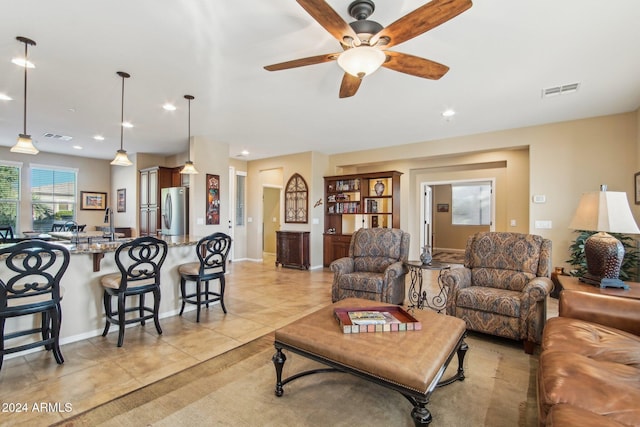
(361, 281)
(605, 388)
(490, 300)
(568, 415)
(502, 279)
(592, 340)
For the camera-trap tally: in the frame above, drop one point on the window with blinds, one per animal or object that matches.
(53, 196)
(9, 195)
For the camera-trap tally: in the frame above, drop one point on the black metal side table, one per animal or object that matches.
(418, 297)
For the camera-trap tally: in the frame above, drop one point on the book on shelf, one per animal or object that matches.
(375, 319)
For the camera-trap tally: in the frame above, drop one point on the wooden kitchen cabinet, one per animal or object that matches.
(152, 180)
(292, 249)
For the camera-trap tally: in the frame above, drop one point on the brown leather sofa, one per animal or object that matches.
(589, 369)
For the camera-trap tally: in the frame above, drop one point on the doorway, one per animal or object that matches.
(439, 227)
(270, 218)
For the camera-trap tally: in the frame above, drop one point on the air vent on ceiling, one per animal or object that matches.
(58, 137)
(560, 90)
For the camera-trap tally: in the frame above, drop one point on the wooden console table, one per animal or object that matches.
(292, 249)
(573, 284)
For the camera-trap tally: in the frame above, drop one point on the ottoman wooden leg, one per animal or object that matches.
(420, 414)
(278, 361)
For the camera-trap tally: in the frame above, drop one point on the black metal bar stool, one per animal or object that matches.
(6, 233)
(212, 254)
(139, 262)
(29, 285)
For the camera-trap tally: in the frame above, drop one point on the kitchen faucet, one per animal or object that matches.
(108, 218)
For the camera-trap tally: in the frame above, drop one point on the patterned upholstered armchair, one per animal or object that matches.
(375, 267)
(503, 287)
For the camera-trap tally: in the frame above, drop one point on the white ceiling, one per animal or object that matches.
(501, 54)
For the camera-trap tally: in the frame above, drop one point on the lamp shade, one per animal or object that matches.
(189, 168)
(361, 61)
(24, 145)
(121, 159)
(606, 211)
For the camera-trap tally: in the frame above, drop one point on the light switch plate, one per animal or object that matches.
(543, 224)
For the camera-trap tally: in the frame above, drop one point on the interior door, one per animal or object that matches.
(426, 215)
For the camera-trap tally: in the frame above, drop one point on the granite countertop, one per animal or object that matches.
(102, 247)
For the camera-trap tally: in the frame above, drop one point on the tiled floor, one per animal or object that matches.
(259, 299)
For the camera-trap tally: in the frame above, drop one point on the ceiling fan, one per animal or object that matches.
(365, 42)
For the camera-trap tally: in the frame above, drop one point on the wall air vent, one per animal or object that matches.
(58, 137)
(560, 90)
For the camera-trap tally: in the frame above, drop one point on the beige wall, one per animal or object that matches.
(93, 175)
(262, 172)
(564, 160)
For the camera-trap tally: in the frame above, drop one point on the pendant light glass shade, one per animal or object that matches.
(24, 144)
(121, 158)
(189, 168)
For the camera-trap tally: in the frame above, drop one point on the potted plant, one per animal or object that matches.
(629, 268)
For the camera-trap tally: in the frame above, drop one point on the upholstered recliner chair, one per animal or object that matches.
(375, 267)
(503, 287)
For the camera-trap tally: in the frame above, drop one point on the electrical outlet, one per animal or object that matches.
(513, 223)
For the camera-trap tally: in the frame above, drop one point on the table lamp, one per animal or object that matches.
(605, 212)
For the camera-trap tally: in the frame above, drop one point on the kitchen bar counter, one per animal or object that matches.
(82, 308)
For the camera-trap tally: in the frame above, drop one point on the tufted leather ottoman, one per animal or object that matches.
(410, 362)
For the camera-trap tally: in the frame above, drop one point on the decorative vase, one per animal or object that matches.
(425, 256)
(379, 188)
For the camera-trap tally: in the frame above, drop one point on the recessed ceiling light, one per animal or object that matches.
(98, 137)
(21, 62)
(169, 107)
(77, 147)
(448, 113)
(127, 124)
(5, 97)
(244, 152)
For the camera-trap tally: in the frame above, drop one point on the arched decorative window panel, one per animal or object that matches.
(296, 202)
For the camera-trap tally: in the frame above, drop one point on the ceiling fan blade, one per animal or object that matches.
(329, 19)
(312, 60)
(414, 65)
(420, 21)
(349, 86)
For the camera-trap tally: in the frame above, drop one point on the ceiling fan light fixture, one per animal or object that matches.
(361, 61)
(24, 145)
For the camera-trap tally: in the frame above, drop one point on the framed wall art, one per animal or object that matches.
(213, 200)
(93, 201)
(443, 207)
(121, 201)
(296, 202)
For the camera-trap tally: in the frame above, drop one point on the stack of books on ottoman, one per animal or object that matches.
(375, 319)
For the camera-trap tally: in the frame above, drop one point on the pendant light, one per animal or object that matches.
(121, 158)
(24, 144)
(188, 168)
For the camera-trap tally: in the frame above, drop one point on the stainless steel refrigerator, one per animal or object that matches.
(175, 211)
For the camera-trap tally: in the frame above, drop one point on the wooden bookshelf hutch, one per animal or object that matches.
(365, 200)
